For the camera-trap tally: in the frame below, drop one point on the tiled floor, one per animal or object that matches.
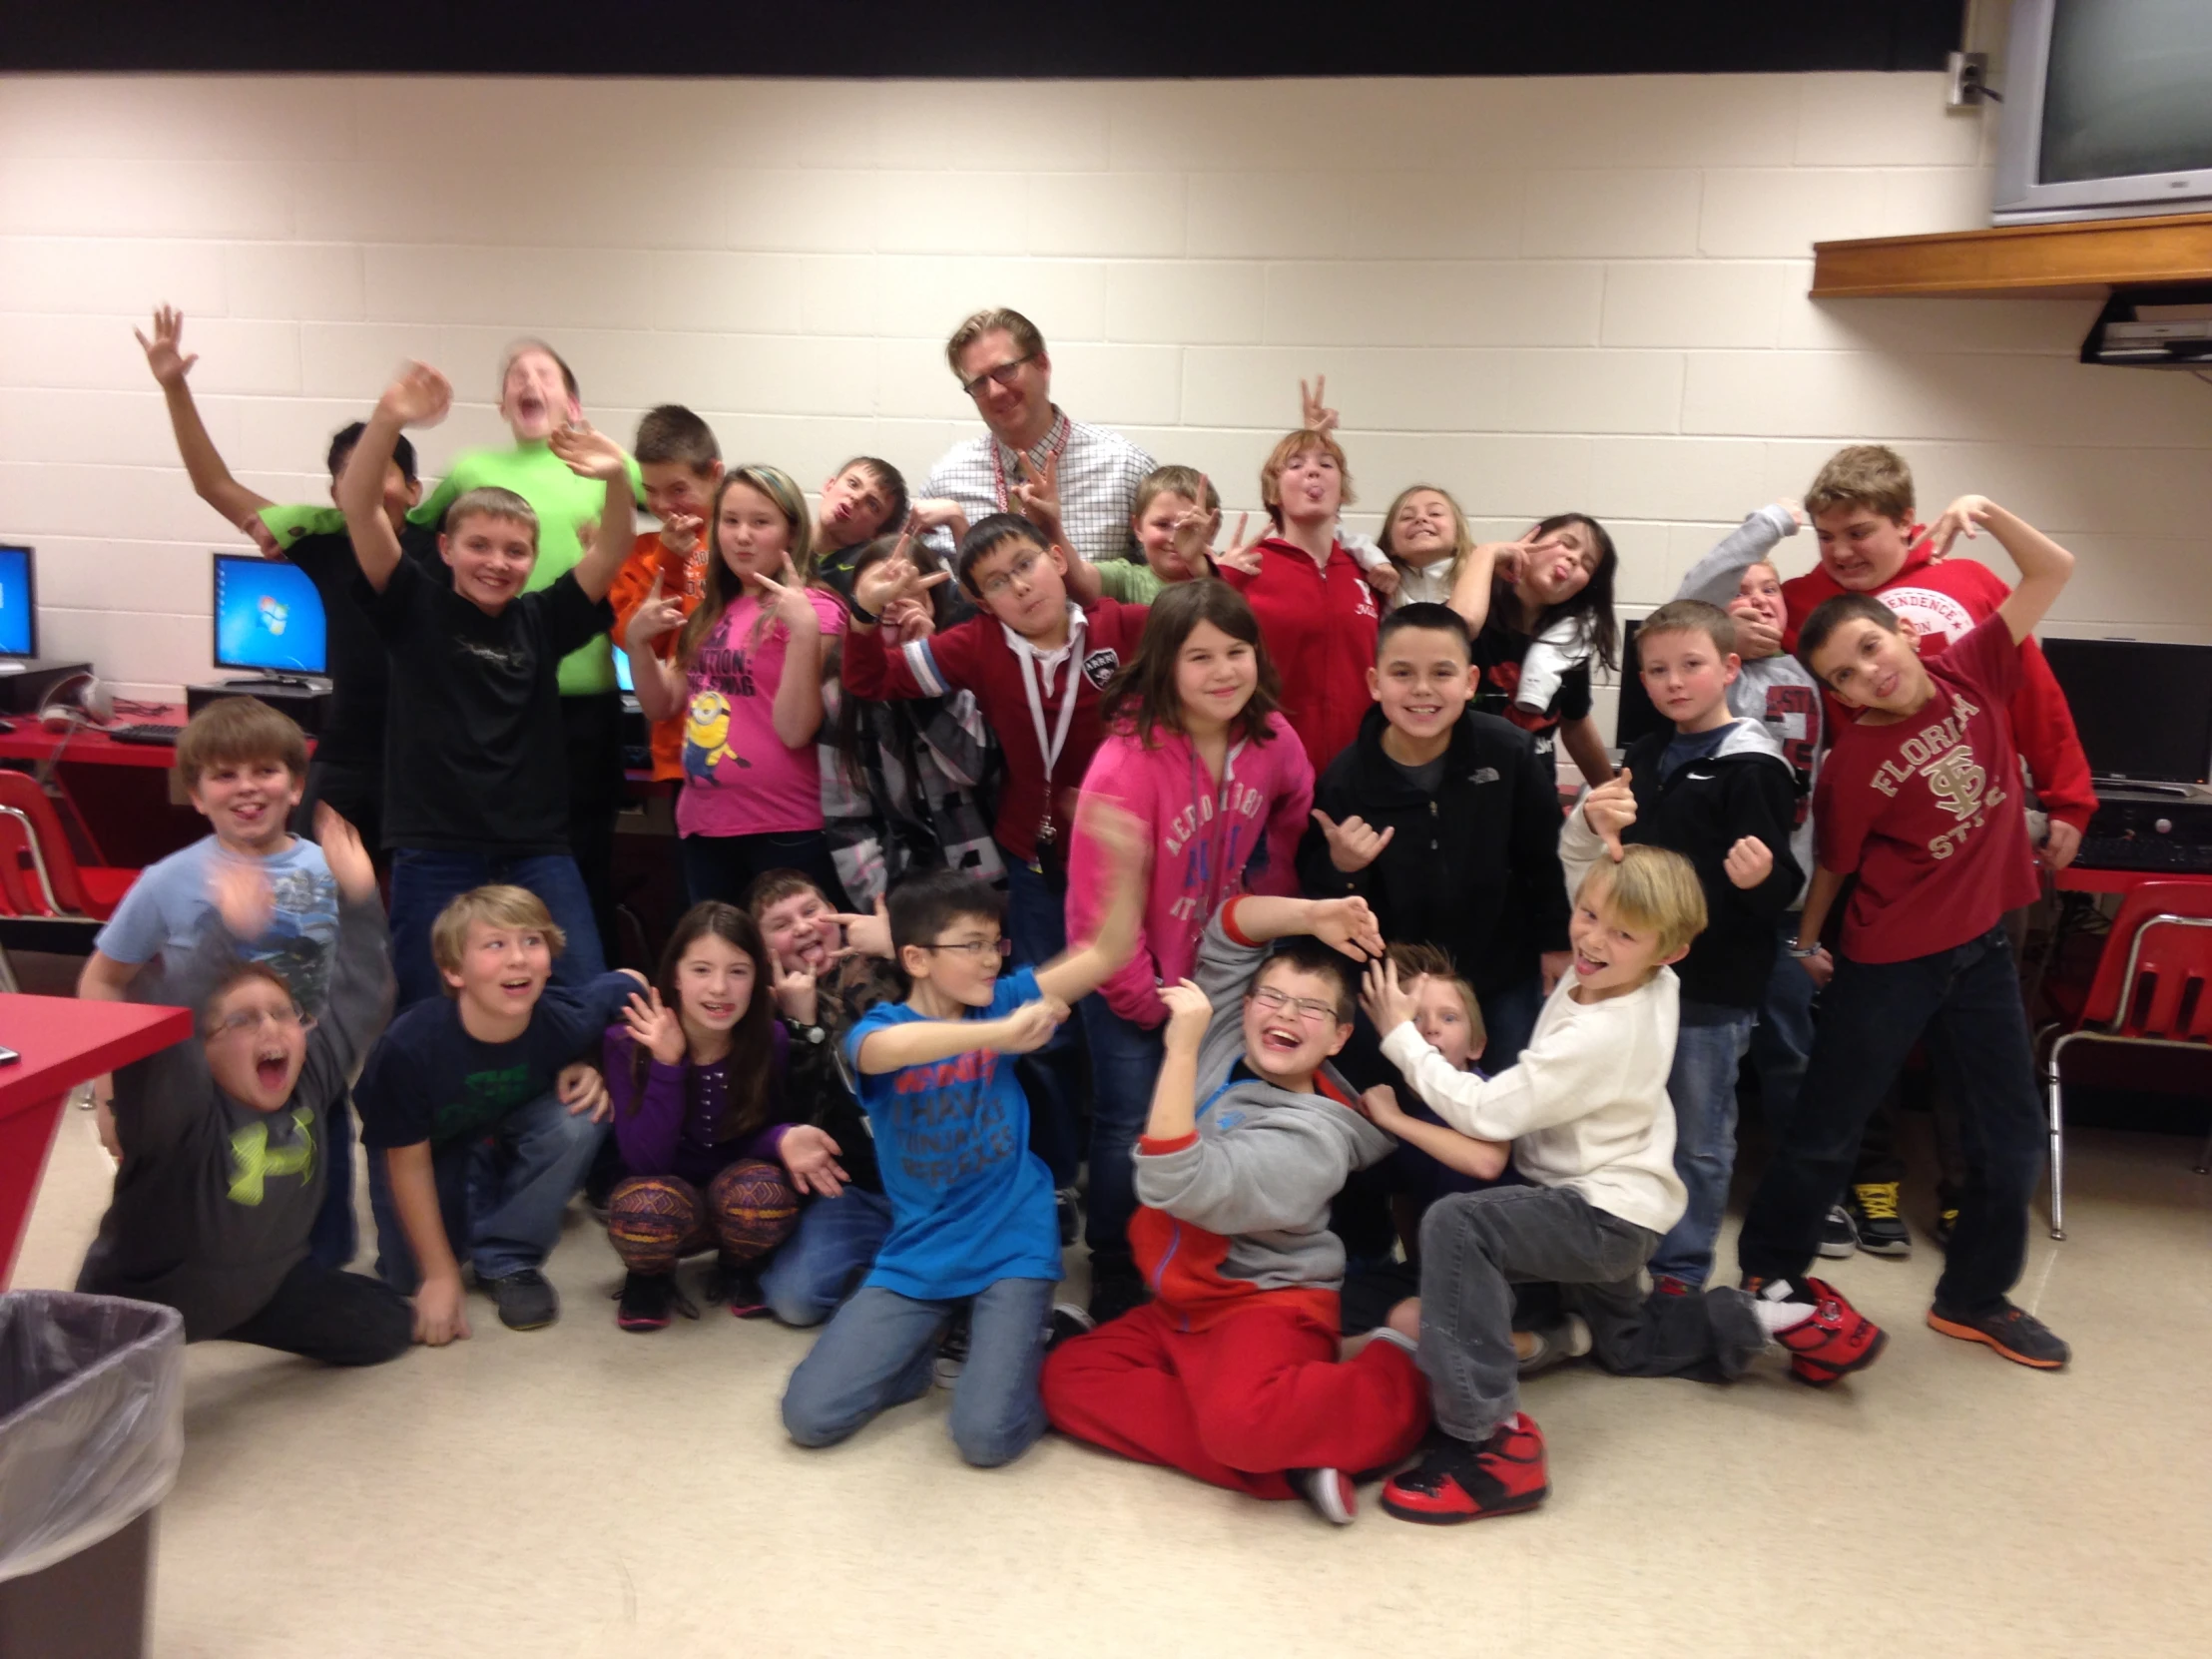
(580, 1492)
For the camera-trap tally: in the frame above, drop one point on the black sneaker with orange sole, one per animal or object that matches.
(1832, 1340)
(2014, 1331)
(1455, 1482)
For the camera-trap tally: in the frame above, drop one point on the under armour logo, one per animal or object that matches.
(251, 1161)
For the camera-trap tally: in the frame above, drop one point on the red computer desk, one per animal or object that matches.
(115, 796)
(63, 1042)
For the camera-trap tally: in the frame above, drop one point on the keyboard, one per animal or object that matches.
(2146, 853)
(152, 733)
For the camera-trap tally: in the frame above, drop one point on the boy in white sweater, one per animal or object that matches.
(1586, 1110)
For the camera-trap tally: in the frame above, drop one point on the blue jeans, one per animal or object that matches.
(1052, 1076)
(500, 1194)
(820, 1265)
(424, 884)
(1782, 1041)
(1964, 1004)
(878, 1350)
(1125, 1064)
(1702, 1086)
(1508, 1021)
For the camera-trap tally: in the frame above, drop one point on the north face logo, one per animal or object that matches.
(1099, 667)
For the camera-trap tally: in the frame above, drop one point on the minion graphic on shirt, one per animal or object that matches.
(707, 739)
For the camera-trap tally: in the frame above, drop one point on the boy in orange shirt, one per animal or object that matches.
(681, 464)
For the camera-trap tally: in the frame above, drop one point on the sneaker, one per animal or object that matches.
(1070, 1214)
(952, 1357)
(1832, 1339)
(1457, 1482)
(1874, 1211)
(1666, 1283)
(525, 1301)
(1114, 1294)
(1067, 1320)
(736, 1284)
(1947, 1223)
(1555, 1344)
(1839, 1237)
(1329, 1493)
(645, 1301)
(2014, 1331)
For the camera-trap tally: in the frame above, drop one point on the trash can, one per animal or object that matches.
(91, 1432)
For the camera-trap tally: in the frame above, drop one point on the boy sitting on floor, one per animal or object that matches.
(225, 1137)
(1232, 1373)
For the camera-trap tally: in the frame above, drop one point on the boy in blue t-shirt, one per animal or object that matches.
(973, 1208)
(244, 766)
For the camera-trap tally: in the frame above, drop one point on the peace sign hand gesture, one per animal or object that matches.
(1314, 414)
(1240, 555)
(789, 600)
(1038, 495)
(657, 614)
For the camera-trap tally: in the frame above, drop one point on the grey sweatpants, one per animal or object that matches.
(1475, 1247)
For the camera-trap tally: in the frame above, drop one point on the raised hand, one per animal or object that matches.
(1037, 496)
(240, 892)
(1610, 808)
(680, 533)
(1240, 555)
(796, 992)
(1314, 414)
(1749, 862)
(420, 396)
(582, 1089)
(869, 935)
(811, 1157)
(654, 1028)
(588, 452)
(1389, 1003)
(1353, 845)
(1963, 517)
(165, 351)
(343, 850)
(1510, 558)
(657, 614)
(789, 600)
(1189, 1013)
(1030, 1026)
(1349, 925)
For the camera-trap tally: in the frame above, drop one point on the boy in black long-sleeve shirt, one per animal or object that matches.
(1716, 789)
(223, 1154)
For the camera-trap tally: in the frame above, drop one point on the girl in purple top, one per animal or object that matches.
(695, 1072)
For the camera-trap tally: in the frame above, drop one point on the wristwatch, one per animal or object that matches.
(1802, 951)
(813, 1034)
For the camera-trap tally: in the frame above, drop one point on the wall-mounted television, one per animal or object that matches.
(2107, 110)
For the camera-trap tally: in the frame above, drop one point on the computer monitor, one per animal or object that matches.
(2144, 707)
(18, 603)
(267, 617)
(1635, 714)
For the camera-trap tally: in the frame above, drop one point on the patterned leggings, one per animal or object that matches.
(655, 1221)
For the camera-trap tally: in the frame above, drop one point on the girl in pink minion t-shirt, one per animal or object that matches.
(746, 678)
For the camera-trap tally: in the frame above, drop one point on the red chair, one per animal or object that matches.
(47, 880)
(2153, 987)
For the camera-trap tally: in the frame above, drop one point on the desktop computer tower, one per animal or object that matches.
(304, 703)
(24, 684)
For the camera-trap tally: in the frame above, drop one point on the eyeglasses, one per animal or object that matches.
(232, 1025)
(1004, 375)
(1305, 1007)
(1023, 567)
(973, 948)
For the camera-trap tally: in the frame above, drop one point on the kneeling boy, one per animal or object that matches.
(226, 1138)
(1586, 1110)
(1232, 1373)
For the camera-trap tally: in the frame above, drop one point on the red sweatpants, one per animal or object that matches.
(1239, 1402)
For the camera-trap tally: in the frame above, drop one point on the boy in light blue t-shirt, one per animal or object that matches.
(244, 766)
(972, 1213)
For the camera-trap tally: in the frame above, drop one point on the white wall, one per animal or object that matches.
(1541, 293)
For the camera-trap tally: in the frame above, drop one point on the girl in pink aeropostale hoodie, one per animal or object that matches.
(1198, 754)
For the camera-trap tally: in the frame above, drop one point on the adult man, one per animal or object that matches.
(1032, 451)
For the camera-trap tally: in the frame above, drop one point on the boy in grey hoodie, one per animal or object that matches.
(1232, 1373)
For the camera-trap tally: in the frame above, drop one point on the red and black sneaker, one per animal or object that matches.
(1832, 1339)
(1457, 1482)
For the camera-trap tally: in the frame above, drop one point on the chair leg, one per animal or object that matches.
(2054, 1093)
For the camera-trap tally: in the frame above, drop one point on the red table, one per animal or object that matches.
(63, 1043)
(116, 795)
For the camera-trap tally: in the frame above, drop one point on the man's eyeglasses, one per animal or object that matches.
(1023, 567)
(232, 1025)
(1004, 375)
(973, 948)
(1305, 1007)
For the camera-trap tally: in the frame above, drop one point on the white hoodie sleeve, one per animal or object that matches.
(1580, 847)
(1555, 1081)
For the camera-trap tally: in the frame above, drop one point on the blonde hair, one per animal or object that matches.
(499, 905)
(1462, 537)
(1652, 891)
(1434, 961)
(1295, 444)
(724, 586)
(1863, 475)
(491, 501)
(1187, 481)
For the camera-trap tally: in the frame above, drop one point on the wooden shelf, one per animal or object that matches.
(2084, 259)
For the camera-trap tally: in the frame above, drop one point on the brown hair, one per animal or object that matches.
(998, 319)
(236, 731)
(1433, 962)
(1651, 889)
(724, 587)
(1186, 481)
(891, 483)
(1831, 614)
(1870, 475)
(1143, 691)
(746, 1098)
(1292, 445)
(1688, 616)
(672, 432)
(239, 973)
(522, 348)
(498, 905)
(1462, 537)
(491, 501)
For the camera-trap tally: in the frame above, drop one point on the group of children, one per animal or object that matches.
(1274, 843)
